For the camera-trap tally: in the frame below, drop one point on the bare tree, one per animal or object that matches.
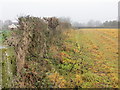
(53, 22)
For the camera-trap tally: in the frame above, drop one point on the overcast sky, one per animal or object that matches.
(77, 10)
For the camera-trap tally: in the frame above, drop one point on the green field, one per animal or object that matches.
(90, 59)
(3, 35)
(7, 62)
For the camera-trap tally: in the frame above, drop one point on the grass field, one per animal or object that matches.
(7, 64)
(3, 35)
(90, 59)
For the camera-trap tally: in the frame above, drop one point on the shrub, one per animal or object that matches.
(32, 42)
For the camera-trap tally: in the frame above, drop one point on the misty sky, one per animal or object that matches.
(77, 10)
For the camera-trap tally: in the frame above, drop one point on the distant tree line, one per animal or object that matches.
(66, 22)
(110, 24)
(92, 23)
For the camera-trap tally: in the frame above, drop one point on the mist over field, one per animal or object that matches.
(78, 10)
